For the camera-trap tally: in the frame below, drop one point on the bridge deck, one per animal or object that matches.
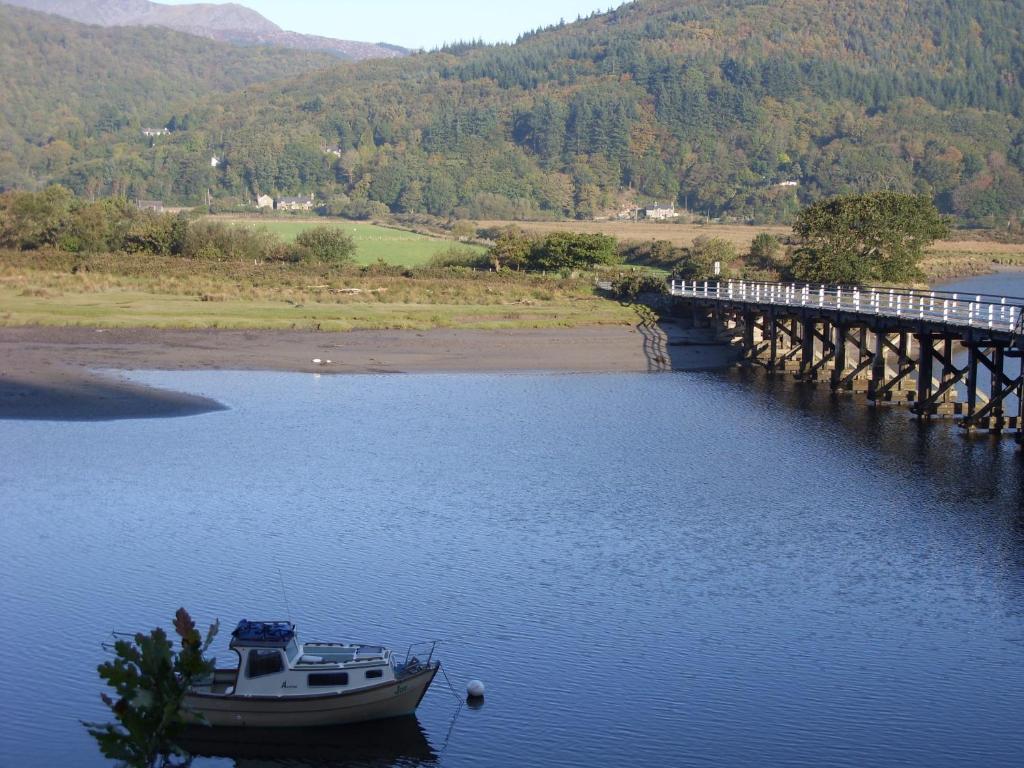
(965, 315)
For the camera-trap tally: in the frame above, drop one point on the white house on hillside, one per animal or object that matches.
(300, 203)
(264, 201)
(657, 211)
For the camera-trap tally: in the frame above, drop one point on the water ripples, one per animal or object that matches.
(685, 569)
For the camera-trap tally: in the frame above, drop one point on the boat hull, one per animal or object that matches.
(391, 699)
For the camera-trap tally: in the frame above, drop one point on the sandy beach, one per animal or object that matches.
(71, 373)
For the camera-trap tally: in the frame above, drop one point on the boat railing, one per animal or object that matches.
(411, 654)
(110, 646)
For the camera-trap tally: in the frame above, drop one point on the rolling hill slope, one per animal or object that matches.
(67, 87)
(740, 108)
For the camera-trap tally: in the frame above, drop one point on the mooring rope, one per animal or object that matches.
(455, 714)
(450, 686)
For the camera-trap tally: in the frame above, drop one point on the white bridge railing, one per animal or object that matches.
(971, 310)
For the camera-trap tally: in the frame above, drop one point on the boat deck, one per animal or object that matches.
(222, 682)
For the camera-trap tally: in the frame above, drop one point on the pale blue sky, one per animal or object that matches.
(419, 23)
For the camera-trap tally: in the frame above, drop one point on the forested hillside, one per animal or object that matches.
(712, 104)
(70, 94)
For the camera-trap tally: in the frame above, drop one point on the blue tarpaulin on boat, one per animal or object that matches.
(264, 631)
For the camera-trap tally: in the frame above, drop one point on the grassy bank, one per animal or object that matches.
(114, 290)
(373, 243)
(948, 265)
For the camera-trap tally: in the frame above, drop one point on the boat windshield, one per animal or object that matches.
(292, 650)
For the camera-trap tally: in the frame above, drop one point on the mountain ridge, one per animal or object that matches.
(746, 109)
(226, 22)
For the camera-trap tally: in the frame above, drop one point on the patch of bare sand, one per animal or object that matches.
(51, 372)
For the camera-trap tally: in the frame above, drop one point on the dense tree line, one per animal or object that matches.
(851, 239)
(55, 218)
(711, 104)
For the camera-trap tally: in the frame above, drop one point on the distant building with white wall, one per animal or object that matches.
(660, 212)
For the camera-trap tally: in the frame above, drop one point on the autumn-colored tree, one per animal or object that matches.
(511, 250)
(150, 680)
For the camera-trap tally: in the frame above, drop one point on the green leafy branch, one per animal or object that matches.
(150, 681)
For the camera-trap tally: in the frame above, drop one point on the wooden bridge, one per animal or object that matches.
(924, 349)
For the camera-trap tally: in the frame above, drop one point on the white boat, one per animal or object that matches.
(283, 683)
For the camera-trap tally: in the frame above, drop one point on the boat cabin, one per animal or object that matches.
(273, 662)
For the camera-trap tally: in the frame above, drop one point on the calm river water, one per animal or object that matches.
(682, 569)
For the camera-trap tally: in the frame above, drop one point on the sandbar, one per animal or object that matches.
(69, 373)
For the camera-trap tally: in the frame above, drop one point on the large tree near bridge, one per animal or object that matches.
(860, 239)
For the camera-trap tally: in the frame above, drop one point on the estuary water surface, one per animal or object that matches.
(675, 569)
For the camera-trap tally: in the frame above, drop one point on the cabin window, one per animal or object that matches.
(328, 678)
(371, 673)
(264, 662)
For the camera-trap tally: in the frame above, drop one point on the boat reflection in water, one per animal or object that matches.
(398, 741)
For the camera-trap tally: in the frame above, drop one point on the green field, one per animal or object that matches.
(373, 243)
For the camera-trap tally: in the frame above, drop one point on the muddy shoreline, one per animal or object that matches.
(69, 374)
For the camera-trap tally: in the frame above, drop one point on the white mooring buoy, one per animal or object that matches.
(475, 689)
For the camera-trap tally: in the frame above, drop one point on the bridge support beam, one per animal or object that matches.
(891, 384)
(839, 346)
(925, 350)
(991, 414)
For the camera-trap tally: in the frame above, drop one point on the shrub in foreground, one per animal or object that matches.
(215, 240)
(631, 285)
(328, 244)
